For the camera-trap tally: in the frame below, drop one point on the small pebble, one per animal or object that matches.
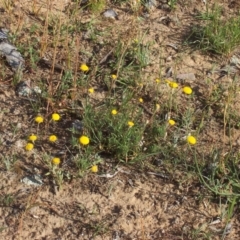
(110, 13)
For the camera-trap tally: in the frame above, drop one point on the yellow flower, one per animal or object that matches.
(157, 107)
(171, 122)
(191, 140)
(53, 138)
(157, 80)
(56, 161)
(130, 123)
(187, 90)
(91, 90)
(29, 147)
(114, 76)
(84, 67)
(173, 84)
(114, 112)
(94, 168)
(39, 119)
(55, 117)
(84, 140)
(140, 100)
(32, 138)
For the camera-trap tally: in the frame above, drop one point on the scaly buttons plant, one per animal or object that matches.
(84, 140)
(114, 112)
(191, 140)
(91, 90)
(94, 168)
(140, 100)
(114, 76)
(56, 161)
(173, 84)
(53, 138)
(39, 119)
(171, 122)
(130, 123)
(55, 117)
(187, 90)
(84, 67)
(32, 138)
(29, 146)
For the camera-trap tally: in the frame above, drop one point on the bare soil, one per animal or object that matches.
(132, 204)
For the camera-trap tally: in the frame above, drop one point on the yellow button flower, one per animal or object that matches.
(94, 168)
(191, 140)
(55, 117)
(56, 161)
(114, 112)
(39, 119)
(157, 80)
(130, 123)
(140, 100)
(187, 90)
(53, 138)
(157, 107)
(32, 138)
(171, 122)
(84, 67)
(91, 90)
(29, 147)
(173, 84)
(114, 76)
(84, 140)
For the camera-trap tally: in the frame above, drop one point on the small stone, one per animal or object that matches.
(24, 89)
(165, 7)
(110, 13)
(151, 4)
(77, 125)
(3, 34)
(186, 76)
(13, 57)
(34, 180)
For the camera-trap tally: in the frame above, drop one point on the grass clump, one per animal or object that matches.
(216, 35)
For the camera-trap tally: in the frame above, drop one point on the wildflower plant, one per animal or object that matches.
(56, 117)
(32, 138)
(39, 119)
(52, 138)
(29, 147)
(84, 67)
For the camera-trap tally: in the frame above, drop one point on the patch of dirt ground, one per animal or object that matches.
(126, 204)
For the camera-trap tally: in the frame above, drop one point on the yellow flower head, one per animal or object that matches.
(94, 168)
(114, 76)
(84, 67)
(53, 138)
(114, 112)
(55, 117)
(157, 107)
(140, 100)
(173, 84)
(91, 90)
(191, 140)
(84, 140)
(171, 122)
(32, 137)
(29, 146)
(187, 90)
(56, 161)
(157, 80)
(130, 123)
(39, 119)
